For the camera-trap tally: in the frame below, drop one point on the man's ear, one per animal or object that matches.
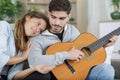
(69, 16)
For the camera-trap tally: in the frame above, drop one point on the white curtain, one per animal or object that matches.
(98, 10)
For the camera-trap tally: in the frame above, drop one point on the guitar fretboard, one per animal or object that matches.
(104, 40)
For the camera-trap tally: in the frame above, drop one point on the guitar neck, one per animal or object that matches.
(104, 40)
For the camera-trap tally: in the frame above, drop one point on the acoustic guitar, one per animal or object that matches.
(90, 46)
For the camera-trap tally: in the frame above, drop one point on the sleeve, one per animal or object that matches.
(36, 56)
(14, 70)
(4, 35)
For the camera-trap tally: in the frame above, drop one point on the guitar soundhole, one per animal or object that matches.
(87, 53)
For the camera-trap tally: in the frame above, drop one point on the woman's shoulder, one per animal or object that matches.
(4, 22)
(4, 26)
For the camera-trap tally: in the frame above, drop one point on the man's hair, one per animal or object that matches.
(60, 5)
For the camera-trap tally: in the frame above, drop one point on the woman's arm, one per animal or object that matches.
(24, 56)
(15, 60)
(40, 68)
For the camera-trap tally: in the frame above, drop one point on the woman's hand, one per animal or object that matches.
(26, 52)
(75, 54)
(24, 56)
(43, 68)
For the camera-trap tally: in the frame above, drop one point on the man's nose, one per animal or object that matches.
(57, 22)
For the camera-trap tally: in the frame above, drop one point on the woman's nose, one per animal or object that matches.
(38, 29)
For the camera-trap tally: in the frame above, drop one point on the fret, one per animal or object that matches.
(104, 40)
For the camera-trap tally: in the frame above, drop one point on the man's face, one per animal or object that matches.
(58, 20)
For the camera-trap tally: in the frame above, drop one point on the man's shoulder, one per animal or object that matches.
(34, 38)
(70, 26)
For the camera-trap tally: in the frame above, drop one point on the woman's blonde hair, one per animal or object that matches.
(19, 30)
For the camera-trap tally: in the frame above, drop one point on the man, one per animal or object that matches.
(60, 31)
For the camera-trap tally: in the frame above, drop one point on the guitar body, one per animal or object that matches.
(82, 67)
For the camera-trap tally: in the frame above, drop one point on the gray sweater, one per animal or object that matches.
(46, 39)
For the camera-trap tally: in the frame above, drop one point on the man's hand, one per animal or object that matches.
(111, 41)
(75, 54)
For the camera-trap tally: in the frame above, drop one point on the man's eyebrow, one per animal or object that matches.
(52, 15)
(62, 17)
(59, 17)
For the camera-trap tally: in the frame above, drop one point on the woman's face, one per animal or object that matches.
(34, 26)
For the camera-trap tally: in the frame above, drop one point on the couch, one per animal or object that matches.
(116, 64)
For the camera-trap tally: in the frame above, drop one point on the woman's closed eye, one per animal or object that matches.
(38, 24)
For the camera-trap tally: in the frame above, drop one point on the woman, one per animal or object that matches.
(12, 43)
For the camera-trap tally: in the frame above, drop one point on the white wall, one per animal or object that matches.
(98, 10)
(82, 15)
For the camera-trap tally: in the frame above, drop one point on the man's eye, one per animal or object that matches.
(62, 18)
(53, 17)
